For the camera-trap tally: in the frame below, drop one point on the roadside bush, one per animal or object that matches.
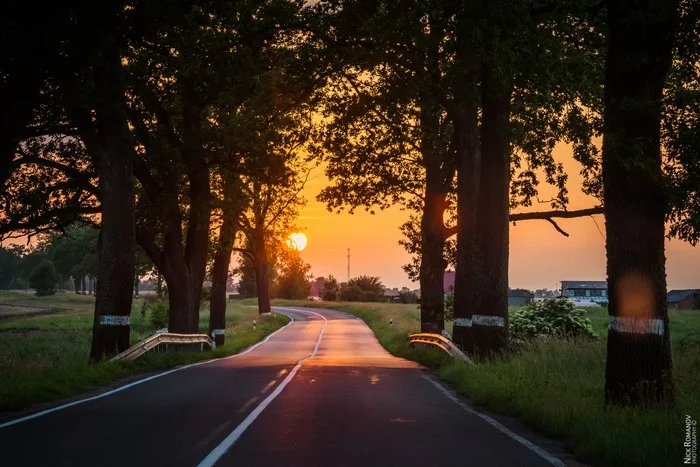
(449, 306)
(43, 279)
(148, 301)
(350, 293)
(205, 295)
(550, 318)
(159, 314)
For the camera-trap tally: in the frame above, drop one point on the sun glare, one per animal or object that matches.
(297, 241)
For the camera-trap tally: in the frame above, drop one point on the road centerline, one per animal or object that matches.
(231, 439)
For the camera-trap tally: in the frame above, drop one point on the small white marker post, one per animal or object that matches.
(391, 322)
(254, 324)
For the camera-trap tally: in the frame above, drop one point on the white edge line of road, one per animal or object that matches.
(528, 444)
(231, 439)
(135, 383)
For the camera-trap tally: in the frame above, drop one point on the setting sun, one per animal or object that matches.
(297, 241)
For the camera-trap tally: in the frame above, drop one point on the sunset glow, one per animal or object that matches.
(297, 241)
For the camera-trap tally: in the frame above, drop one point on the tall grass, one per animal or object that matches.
(556, 386)
(44, 358)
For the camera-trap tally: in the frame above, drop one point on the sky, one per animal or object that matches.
(540, 257)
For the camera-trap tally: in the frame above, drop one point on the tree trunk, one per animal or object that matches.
(638, 367)
(432, 264)
(76, 284)
(222, 259)
(432, 260)
(261, 264)
(114, 163)
(489, 325)
(197, 240)
(137, 283)
(468, 173)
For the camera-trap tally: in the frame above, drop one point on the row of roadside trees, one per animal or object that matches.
(179, 125)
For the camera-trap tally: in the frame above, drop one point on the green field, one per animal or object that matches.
(556, 387)
(44, 345)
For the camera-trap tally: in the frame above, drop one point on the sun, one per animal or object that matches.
(297, 240)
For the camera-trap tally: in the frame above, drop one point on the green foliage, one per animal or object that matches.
(159, 314)
(43, 279)
(73, 252)
(206, 295)
(407, 296)
(10, 259)
(351, 292)
(550, 318)
(362, 289)
(331, 289)
(449, 306)
(293, 281)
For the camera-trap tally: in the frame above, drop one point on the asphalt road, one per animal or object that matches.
(320, 392)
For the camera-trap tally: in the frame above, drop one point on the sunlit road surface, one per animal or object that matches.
(320, 392)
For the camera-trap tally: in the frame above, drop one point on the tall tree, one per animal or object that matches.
(639, 54)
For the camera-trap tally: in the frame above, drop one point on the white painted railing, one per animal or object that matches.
(155, 340)
(441, 342)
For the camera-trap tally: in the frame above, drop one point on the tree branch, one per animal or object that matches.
(543, 215)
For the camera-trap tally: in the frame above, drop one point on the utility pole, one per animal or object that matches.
(348, 264)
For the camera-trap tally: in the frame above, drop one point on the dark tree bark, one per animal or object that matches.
(112, 151)
(468, 173)
(222, 260)
(182, 266)
(488, 333)
(261, 264)
(432, 265)
(76, 284)
(197, 242)
(432, 262)
(640, 41)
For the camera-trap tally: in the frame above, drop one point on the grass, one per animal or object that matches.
(556, 387)
(45, 358)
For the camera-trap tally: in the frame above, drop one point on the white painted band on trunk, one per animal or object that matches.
(488, 320)
(481, 320)
(114, 320)
(218, 332)
(463, 322)
(634, 325)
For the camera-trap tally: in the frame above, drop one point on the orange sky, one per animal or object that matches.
(540, 257)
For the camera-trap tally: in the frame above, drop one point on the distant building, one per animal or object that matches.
(448, 281)
(392, 294)
(588, 291)
(683, 299)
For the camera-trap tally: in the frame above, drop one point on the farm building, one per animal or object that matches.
(687, 299)
(585, 291)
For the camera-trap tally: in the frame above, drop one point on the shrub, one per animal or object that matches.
(449, 306)
(550, 318)
(350, 292)
(43, 279)
(331, 289)
(159, 314)
(205, 296)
